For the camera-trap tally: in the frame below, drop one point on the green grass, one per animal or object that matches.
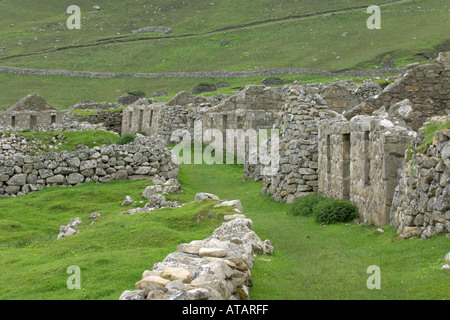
(33, 263)
(90, 138)
(309, 261)
(73, 90)
(407, 34)
(315, 262)
(429, 132)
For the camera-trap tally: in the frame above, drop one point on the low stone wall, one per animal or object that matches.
(216, 268)
(142, 159)
(421, 205)
(14, 144)
(206, 74)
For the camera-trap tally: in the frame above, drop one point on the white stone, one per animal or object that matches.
(233, 203)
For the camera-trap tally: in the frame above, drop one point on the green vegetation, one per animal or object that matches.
(262, 34)
(429, 132)
(126, 139)
(105, 44)
(304, 206)
(334, 211)
(324, 210)
(112, 253)
(90, 138)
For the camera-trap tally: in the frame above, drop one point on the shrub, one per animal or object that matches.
(304, 205)
(334, 211)
(126, 139)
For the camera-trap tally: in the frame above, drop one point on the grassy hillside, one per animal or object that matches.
(63, 92)
(262, 34)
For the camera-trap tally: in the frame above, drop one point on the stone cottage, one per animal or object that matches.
(30, 112)
(360, 160)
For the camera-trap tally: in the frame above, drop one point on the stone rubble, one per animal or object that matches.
(69, 229)
(215, 268)
(155, 199)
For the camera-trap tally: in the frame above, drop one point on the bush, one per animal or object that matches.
(304, 206)
(334, 211)
(126, 139)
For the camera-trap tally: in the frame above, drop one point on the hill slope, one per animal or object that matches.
(262, 35)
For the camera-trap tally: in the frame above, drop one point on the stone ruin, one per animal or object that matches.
(359, 155)
(421, 200)
(30, 113)
(35, 114)
(345, 139)
(359, 160)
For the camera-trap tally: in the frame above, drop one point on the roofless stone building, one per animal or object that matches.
(30, 113)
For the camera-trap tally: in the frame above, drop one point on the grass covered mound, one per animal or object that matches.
(68, 140)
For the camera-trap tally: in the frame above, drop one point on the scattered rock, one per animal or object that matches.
(94, 215)
(70, 229)
(127, 201)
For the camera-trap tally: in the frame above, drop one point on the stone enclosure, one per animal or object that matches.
(142, 159)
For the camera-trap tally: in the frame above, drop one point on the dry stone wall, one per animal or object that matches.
(421, 204)
(298, 152)
(215, 268)
(109, 120)
(142, 159)
(427, 87)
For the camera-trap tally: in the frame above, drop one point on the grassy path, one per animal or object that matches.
(315, 262)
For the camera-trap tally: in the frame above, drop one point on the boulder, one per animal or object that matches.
(206, 196)
(127, 201)
(75, 178)
(17, 180)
